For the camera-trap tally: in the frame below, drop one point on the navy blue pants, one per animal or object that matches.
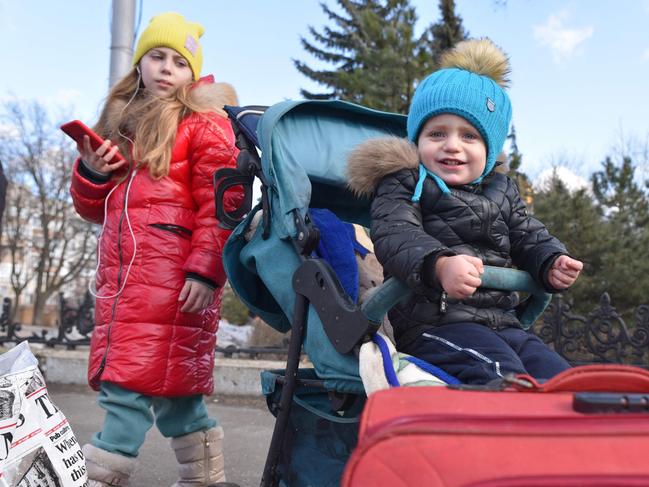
(476, 354)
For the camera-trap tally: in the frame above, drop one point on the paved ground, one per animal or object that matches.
(248, 427)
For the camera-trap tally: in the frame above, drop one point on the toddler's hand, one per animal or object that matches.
(564, 272)
(459, 275)
(99, 159)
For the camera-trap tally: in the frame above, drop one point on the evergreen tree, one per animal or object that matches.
(625, 206)
(515, 158)
(514, 161)
(624, 199)
(608, 231)
(575, 219)
(443, 35)
(376, 58)
(232, 308)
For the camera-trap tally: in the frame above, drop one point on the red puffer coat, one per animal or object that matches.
(142, 341)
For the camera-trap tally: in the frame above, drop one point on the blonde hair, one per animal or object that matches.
(150, 122)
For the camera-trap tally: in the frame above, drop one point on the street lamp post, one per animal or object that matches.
(121, 45)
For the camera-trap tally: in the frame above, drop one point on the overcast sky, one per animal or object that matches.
(580, 68)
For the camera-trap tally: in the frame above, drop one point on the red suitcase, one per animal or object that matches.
(589, 426)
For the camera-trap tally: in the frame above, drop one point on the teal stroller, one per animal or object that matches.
(272, 265)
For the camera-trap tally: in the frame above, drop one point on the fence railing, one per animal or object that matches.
(74, 325)
(602, 336)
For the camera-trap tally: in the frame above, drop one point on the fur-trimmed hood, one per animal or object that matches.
(206, 94)
(370, 161)
(214, 95)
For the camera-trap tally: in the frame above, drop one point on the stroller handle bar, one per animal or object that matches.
(392, 291)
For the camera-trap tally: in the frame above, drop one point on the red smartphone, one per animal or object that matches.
(77, 129)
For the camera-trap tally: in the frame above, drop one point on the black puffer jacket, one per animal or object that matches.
(488, 221)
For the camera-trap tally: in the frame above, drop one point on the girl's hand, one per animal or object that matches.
(197, 296)
(459, 275)
(564, 272)
(99, 160)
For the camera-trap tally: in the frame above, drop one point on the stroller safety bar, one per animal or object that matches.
(393, 291)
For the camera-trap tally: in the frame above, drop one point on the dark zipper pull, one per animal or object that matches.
(442, 303)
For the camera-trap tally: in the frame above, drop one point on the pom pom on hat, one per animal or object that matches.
(170, 29)
(480, 56)
(470, 83)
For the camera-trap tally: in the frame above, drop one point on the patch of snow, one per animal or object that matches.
(230, 334)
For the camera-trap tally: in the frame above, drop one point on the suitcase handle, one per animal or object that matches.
(589, 378)
(609, 402)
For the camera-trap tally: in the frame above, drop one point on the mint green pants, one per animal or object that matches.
(129, 415)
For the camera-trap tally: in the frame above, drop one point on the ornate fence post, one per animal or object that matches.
(7, 324)
(6, 314)
(86, 315)
(81, 318)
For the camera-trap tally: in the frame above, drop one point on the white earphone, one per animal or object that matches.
(93, 290)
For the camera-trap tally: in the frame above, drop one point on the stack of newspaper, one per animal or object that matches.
(37, 445)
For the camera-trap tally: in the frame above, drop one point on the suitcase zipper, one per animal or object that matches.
(502, 425)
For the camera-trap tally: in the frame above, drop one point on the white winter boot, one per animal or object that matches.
(107, 469)
(200, 458)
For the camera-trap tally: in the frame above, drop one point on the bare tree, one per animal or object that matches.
(16, 241)
(41, 162)
(3, 193)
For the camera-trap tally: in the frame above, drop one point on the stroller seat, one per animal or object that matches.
(350, 253)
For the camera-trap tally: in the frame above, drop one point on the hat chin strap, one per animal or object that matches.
(423, 172)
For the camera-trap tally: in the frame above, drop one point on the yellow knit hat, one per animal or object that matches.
(170, 29)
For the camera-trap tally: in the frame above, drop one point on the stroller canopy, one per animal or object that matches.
(304, 147)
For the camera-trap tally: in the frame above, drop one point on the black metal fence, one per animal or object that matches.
(74, 325)
(602, 336)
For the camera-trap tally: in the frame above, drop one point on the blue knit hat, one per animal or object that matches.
(470, 85)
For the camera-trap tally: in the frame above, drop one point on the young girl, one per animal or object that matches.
(159, 270)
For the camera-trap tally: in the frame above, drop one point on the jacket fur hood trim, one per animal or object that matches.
(214, 96)
(374, 159)
(207, 94)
